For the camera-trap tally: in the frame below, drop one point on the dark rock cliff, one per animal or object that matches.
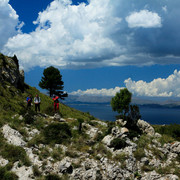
(9, 71)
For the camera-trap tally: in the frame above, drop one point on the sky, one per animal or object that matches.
(98, 46)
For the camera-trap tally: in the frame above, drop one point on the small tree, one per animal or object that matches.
(120, 102)
(52, 81)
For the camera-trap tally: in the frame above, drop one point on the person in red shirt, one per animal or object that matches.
(56, 103)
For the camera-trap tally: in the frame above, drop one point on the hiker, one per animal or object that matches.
(29, 101)
(37, 101)
(56, 103)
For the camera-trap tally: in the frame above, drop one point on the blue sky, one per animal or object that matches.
(98, 46)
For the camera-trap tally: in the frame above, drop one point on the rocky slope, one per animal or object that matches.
(90, 154)
(75, 145)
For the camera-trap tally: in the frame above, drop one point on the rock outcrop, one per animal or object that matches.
(9, 71)
(122, 163)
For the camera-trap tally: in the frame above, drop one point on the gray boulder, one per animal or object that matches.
(65, 166)
(13, 136)
(3, 162)
(145, 127)
(23, 172)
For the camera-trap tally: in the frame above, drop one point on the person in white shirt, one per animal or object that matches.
(37, 101)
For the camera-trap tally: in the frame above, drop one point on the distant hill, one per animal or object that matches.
(141, 101)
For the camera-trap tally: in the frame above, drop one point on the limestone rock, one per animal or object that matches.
(151, 176)
(100, 122)
(3, 161)
(9, 71)
(57, 117)
(118, 132)
(121, 122)
(34, 158)
(170, 177)
(24, 173)
(32, 132)
(145, 127)
(175, 148)
(92, 131)
(107, 140)
(65, 166)
(13, 136)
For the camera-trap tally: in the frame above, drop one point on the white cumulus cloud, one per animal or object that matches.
(144, 19)
(97, 92)
(101, 33)
(160, 87)
(67, 35)
(9, 22)
(169, 87)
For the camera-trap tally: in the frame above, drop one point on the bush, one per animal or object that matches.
(139, 153)
(120, 157)
(5, 174)
(49, 110)
(109, 128)
(52, 177)
(56, 133)
(172, 130)
(29, 117)
(133, 133)
(118, 143)
(36, 171)
(15, 153)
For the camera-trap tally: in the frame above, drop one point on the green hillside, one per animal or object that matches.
(13, 101)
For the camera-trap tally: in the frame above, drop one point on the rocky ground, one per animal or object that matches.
(143, 157)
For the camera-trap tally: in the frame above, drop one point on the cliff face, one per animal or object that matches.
(9, 71)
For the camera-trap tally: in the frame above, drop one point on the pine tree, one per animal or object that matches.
(52, 81)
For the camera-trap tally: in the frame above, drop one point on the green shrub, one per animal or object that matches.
(172, 130)
(49, 110)
(139, 153)
(133, 133)
(36, 171)
(144, 141)
(56, 133)
(147, 168)
(101, 149)
(5, 174)
(118, 143)
(52, 177)
(15, 153)
(121, 158)
(29, 117)
(57, 154)
(110, 124)
(99, 137)
(44, 153)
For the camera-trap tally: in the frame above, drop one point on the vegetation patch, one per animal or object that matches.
(139, 153)
(6, 174)
(52, 177)
(120, 157)
(36, 171)
(172, 130)
(15, 153)
(57, 133)
(118, 143)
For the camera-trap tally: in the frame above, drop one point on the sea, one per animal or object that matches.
(152, 115)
